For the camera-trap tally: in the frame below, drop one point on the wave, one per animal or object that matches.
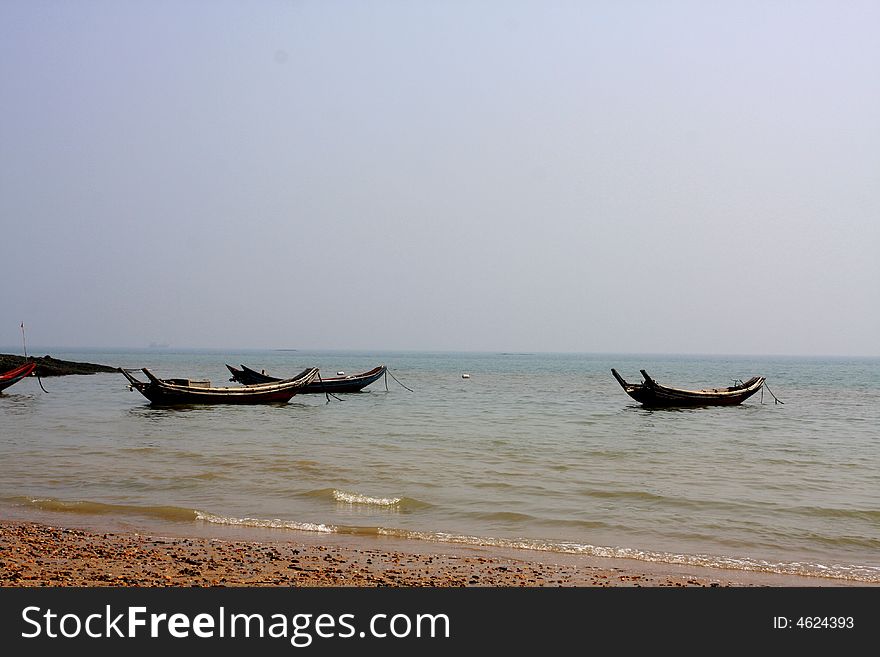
(85, 507)
(358, 498)
(502, 516)
(855, 573)
(263, 523)
(304, 465)
(208, 476)
(867, 515)
(354, 498)
(848, 572)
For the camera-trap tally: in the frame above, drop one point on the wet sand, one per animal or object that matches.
(51, 555)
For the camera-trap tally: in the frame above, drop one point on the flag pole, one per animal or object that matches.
(23, 342)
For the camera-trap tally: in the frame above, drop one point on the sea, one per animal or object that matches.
(529, 451)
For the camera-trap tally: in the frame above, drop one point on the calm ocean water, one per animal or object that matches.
(536, 451)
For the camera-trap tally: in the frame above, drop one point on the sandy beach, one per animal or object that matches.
(53, 555)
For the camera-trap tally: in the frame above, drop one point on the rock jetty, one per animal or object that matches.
(48, 366)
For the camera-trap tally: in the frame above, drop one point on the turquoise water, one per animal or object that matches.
(536, 451)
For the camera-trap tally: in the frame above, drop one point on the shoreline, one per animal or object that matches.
(66, 552)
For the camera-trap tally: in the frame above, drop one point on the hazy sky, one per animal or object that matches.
(614, 176)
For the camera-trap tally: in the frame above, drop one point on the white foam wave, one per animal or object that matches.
(357, 498)
(844, 572)
(265, 523)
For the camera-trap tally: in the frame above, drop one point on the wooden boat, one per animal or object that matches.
(16, 374)
(187, 391)
(652, 394)
(334, 384)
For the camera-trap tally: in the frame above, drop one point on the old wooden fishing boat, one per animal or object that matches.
(334, 384)
(187, 391)
(16, 374)
(652, 394)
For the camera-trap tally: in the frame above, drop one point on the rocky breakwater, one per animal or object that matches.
(48, 366)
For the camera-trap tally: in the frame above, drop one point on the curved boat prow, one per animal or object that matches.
(17, 374)
(620, 380)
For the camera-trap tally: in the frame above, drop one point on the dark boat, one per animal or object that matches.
(167, 392)
(652, 394)
(16, 374)
(334, 384)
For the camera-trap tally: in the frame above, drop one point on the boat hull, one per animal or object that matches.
(654, 395)
(15, 375)
(336, 384)
(161, 397)
(166, 392)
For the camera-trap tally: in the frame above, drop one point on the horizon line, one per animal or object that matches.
(513, 352)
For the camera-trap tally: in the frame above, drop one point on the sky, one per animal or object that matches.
(626, 176)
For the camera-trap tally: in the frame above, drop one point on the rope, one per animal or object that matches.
(395, 378)
(775, 399)
(40, 381)
(327, 393)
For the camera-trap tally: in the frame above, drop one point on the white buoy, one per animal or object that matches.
(340, 374)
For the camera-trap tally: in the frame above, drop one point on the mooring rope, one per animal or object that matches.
(327, 393)
(775, 399)
(395, 378)
(24, 346)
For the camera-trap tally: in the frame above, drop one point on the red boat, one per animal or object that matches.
(15, 375)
